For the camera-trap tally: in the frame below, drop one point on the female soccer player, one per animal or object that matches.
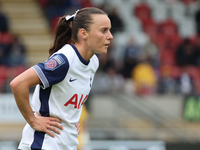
(63, 82)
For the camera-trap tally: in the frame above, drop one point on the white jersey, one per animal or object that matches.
(66, 82)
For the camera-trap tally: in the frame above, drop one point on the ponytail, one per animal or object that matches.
(62, 35)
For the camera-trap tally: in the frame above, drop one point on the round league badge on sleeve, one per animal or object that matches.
(54, 62)
(51, 64)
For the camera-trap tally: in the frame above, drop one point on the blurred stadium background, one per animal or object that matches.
(145, 95)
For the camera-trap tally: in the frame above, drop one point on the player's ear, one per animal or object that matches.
(83, 33)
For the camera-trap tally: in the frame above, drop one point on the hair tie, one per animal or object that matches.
(71, 16)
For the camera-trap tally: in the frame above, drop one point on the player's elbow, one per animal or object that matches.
(14, 85)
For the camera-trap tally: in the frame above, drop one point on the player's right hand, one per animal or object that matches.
(47, 124)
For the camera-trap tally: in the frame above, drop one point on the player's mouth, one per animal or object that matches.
(107, 44)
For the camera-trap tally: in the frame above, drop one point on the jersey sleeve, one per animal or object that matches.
(53, 70)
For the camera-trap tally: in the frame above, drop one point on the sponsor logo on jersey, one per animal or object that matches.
(74, 100)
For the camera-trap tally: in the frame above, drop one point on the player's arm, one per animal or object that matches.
(20, 88)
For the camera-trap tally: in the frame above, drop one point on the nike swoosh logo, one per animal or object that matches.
(71, 80)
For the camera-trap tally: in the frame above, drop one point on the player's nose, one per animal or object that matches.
(110, 36)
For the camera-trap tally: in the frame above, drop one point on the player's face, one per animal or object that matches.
(99, 36)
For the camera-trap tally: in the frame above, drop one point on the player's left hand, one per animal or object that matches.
(77, 125)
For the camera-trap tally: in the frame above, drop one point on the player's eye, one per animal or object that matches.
(104, 30)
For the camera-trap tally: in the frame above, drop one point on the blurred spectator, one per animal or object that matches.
(197, 20)
(144, 79)
(132, 55)
(151, 53)
(187, 54)
(114, 81)
(104, 62)
(108, 82)
(169, 80)
(17, 54)
(2, 58)
(116, 21)
(3, 22)
(197, 47)
(185, 84)
(6, 39)
(196, 42)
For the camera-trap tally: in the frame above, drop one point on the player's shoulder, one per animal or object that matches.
(67, 51)
(95, 58)
(95, 61)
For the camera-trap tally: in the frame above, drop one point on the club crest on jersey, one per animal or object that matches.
(54, 62)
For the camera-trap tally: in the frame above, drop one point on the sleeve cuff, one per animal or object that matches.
(45, 83)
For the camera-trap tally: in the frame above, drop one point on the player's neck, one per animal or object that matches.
(84, 51)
